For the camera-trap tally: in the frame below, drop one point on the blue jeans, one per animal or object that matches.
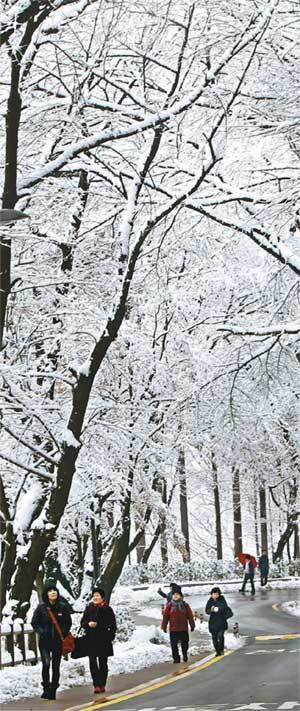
(46, 656)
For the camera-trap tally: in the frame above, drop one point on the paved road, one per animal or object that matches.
(262, 676)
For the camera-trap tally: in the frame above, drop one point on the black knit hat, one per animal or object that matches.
(215, 590)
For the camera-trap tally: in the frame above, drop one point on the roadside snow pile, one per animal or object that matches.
(292, 607)
(148, 645)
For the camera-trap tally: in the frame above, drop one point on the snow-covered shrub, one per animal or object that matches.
(125, 624)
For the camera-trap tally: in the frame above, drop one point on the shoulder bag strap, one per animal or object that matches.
(54, 620)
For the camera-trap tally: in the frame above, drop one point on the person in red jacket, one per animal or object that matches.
(178, 615)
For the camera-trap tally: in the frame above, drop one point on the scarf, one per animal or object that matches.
(178, 605)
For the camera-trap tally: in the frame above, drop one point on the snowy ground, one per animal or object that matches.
(136, 599)
(293, 607)
(148, 645)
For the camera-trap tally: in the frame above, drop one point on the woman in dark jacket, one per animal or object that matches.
(218, 611)
(100, 624)
(50, 643)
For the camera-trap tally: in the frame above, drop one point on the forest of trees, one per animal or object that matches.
(150, 357)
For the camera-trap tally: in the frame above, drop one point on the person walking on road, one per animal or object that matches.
(248, 574)
(178, 615)
(168, 596)
(219, 612)
(50, 642)
(100, 624)
(263, 564)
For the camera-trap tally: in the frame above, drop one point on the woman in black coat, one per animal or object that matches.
(50, 643)
(218, 611)
(100, 624)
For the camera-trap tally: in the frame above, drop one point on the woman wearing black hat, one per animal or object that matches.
(219, 612)
(50, 643)
(100, 624)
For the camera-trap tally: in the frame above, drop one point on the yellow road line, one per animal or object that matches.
(265, 637)
(145, 689)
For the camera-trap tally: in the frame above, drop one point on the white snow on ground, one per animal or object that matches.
(293, 607)
(137, 653)
(134, 599)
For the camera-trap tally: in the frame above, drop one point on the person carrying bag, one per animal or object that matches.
(52, 623)
(68, 642)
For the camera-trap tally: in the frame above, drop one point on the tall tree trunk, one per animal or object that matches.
(140, 549)
(10, 183)
(237, 515)
(255, 507)
(163, 533)
(263, 517)
(296, 543)
(184, 506)
(217, 507)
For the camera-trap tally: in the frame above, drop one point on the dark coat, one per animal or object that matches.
(43, 625)
(218, 620)
(99, 638)
(263, 564)
(178, 617)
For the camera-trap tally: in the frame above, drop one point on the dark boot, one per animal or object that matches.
(52, 694)
(46, 692)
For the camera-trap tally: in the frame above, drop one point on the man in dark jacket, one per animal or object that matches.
(248, 574)
(218, 611)
(100, 624)
(50, 643)
(263, 564)
(178, 614)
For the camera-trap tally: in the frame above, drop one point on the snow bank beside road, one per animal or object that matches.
(292, 607)
(137, 599)
(139, 652)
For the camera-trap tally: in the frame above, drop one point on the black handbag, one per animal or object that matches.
(81, 645)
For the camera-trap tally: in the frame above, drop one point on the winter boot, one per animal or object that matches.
(45, 694)
(52, 694)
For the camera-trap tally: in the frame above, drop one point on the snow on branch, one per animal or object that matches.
(289, 327)
(38, 472)
(153, 120)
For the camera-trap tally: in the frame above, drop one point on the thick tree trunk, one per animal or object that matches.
(217, 508)
(10, 184)
(184, 518)
(237, 515)
(263, 518)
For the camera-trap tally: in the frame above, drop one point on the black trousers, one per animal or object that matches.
(175, 638)
(99, 670)
(263, 579)
(218, 640)
(247, 577)
(48, 655)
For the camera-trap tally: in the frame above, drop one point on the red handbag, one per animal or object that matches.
(68, 642)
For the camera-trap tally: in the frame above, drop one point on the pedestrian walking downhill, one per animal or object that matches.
(178, 615)
(219, 612)
(50, 640)
(248, 574)
(100, 624)
(263, 565)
